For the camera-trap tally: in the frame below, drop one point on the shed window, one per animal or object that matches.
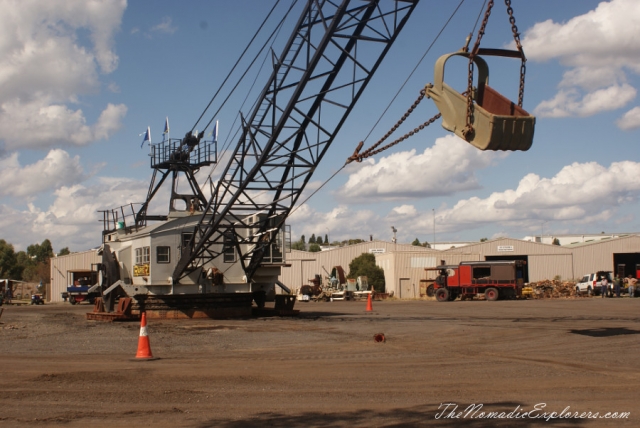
(228, 248)
(143, 255)
(163, 254)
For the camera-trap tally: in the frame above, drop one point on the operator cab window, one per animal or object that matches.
(163, 254)
(228, 248)
(143, 255)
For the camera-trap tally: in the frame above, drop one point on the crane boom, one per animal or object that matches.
(325, 66)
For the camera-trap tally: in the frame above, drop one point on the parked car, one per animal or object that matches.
(591, 284)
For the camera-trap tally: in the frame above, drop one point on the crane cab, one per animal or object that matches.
(498, 123)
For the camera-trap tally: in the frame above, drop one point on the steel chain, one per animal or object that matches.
(468, 130)
(516, 37)
(358, 157)
(370, 153)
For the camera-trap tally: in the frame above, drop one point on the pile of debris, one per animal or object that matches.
(553, 289)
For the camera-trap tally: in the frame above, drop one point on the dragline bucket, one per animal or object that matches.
(498, 123)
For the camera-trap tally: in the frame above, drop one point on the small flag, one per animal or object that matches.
(214, 132)
(166, 126)
(147, 136)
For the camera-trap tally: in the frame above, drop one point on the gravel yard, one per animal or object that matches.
(324, 368)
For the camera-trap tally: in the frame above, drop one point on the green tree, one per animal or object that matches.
(353, 241)
(65, 251)
(41, 252)
(8, 261)
(365, 265)
(298, 245)
(312, 240)
(326, 239)
(483, 239)
(416, 242)
(314, 248)
(425, 244)
(556, 241)
(302, 239)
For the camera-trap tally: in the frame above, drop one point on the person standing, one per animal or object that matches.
(605, 286)
(616, 285)
(632, 285)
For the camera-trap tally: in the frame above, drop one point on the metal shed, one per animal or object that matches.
(303, 265)
(60, 266)
(543, 261)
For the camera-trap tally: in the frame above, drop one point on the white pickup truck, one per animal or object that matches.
(591, 284)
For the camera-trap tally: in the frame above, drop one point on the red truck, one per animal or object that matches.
(495, 279)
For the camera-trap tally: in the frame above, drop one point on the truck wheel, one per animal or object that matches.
(442, 294)
(491, 294)
(430, 291)
(72, 300)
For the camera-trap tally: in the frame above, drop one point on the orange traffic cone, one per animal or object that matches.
(144, 349)
(369, 305)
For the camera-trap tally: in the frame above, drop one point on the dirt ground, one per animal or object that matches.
(323, 368)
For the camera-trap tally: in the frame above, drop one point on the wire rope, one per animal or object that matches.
(414, 69)
(236, 64)
(231, 137)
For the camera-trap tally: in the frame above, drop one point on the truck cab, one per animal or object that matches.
(495, 279)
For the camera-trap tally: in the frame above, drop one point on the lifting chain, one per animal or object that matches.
(358, 157)
(468, 131)
(516, 37)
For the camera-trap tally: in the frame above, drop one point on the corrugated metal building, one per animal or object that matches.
(404, 270)
(60, 267)
(404, 264)
(303, 265)
(543, 261)
(607, 254)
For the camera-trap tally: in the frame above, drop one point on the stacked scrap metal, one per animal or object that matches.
(553, 289)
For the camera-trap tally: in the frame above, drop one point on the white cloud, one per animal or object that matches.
(579, 193)
(40, 124)
(165, 26)
(55, 170)
(72, 219)
(447, 167)
(599, 48)
(340, 223)
(569, 103)
(630, 120)
(46, 61)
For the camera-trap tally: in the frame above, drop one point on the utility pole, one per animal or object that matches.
(434, 227)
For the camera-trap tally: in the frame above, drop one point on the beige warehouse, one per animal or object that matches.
(404, 264)
(60, 267)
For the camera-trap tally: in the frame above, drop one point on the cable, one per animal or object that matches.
(277, 30)
(235, 65)
(414, 69)
(478, 18)
(317, 190)
(231, 138)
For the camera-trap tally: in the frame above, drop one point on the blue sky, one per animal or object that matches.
(79, 81)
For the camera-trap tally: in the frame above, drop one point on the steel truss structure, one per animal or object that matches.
(325, 66)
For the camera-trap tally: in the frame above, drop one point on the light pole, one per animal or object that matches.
(434, 227)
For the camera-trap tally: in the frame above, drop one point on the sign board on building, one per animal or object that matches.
(377, 250)
(503, 248)
(141, 270)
